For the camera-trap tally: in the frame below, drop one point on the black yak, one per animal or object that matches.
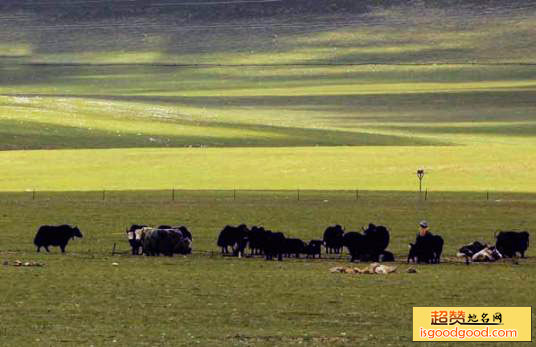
(356, 244)
(274, 245)
(377, 237)
(257, 239)
(509, 243)
(314, 248)
(369, 246)
(333, 239)
(184, 230)
(426, 249)
(386, 256)
(230, 235)
(48, 235)
(294, 247)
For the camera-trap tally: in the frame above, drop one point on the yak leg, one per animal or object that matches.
(48, 250)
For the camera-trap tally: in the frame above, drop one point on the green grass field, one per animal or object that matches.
(212, 300)
(128, 100)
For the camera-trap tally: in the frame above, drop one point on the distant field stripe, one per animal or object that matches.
(296, 64)
(455, 168)
(357, 89)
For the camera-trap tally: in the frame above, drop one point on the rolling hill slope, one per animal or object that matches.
(170, 74)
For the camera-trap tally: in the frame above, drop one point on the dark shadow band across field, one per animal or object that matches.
(17, 135)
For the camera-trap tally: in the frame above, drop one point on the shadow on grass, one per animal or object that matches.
(18, 135)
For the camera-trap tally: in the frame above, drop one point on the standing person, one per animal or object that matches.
(427, 247)
(423, 229)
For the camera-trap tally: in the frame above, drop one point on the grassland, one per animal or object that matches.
(136, 99)
(389, 119)
(82, 299)
(439, 100)
(498, 168)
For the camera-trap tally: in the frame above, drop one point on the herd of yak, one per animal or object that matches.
(368, 245)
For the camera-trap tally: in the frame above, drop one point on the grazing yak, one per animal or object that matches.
(386, 256)
(333, 239)
(369, 246)
(355, 242)
(165, 241)
(48, 235)
(314, 248)
(184, 230)
(257, 238)
(134, 237)
(229, 237)
(509, 243)
(274, 245)
(294, 246)
(427, 249)
(377, 238)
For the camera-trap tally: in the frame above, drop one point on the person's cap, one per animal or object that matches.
(423, 224)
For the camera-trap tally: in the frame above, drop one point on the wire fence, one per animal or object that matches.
(178, 195)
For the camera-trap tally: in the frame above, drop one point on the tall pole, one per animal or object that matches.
(420, 175)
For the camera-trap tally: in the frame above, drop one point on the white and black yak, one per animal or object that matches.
(487, 254)
(165, 241)
(134, 237)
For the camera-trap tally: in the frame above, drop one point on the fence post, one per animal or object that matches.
(298, 194)
(487, 195)
(33, 194)
(234, 194)
(173, 194)
(357, 194)
(426, 194)
(103, 194)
